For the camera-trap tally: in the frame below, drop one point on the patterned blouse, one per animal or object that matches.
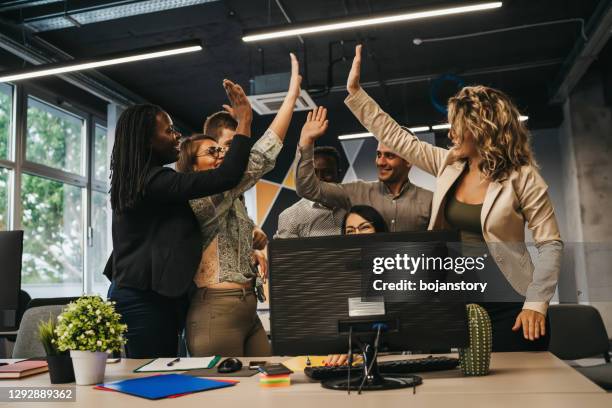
(227, 230)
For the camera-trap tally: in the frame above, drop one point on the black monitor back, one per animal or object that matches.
(311, 280)
(11, 248)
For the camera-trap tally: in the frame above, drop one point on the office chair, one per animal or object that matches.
(38, 302)
(27, 344)
(577, 331)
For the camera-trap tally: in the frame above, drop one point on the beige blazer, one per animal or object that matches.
(509, 203)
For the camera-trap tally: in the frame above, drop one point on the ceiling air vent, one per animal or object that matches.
(268, 104)
(268, 93)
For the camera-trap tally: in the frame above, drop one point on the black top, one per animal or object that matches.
(158, 245)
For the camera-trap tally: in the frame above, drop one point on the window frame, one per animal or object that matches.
(18, 165)
(10, 163)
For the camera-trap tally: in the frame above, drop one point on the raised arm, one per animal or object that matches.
(166, 185)
(308, 185)
(403, 142)
(281, 121)
(266, 150)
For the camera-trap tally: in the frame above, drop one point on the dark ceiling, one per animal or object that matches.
(522, 62)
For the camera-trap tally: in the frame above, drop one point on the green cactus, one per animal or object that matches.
(475, 359)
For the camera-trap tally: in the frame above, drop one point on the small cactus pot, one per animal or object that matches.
(476, 358)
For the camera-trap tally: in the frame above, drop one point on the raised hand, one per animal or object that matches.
(240, 108)
(315, 126)
(352, 83)
(229, 110)
(296, 78)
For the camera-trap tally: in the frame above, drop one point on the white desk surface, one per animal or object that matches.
(517, 380)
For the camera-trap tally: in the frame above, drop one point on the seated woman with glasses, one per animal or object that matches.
(222, 317)
(363, 219)
(360, 219)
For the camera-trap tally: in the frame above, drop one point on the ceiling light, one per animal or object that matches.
(523, 118)
(71, 66)
(417, 129)
(364, 22)
(441, 127)
(355, 136)
(83, 13)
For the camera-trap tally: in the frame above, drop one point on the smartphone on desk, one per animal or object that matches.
(254, 365)
(275, 369)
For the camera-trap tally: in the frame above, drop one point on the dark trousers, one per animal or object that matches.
(154, 322)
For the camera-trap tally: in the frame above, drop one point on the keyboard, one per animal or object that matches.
(389, 368)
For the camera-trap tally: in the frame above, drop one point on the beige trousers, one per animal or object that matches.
(224, 322)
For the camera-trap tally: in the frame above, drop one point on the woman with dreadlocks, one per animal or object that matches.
(156, 239)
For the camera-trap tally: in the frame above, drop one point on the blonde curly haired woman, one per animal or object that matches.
(487, 187)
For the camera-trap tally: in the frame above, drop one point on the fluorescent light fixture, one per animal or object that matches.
(355, 136)
(417, 129)
(441, 127)
(414, 129)
(364, 22)
(83, 13)
(368, 134)
(71, 66)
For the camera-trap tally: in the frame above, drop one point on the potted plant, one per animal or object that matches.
(60, 364)
(89, 328)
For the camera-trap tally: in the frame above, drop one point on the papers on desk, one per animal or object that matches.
(184, 364)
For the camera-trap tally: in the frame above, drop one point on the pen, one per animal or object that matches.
(171, 363)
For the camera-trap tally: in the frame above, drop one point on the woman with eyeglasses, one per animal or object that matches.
(222, 317)
(360, 219)
(363, 219)
(157, 243)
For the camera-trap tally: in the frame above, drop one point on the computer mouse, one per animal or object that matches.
(229, 365)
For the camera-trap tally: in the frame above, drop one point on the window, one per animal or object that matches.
(52, 219)
(54, 186)
(6, 110)
(4, 198)
(100, 241)
(55, 138)
(100, 167)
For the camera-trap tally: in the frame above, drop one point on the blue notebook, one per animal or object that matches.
(162, 386)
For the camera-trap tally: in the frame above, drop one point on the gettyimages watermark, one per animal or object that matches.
(481, 272)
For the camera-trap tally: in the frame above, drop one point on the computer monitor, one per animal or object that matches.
(312, 280)
(315, 281)
(11, 248)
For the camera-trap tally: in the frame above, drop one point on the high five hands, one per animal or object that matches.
(240, 107)
(315, 126)
(296, 79)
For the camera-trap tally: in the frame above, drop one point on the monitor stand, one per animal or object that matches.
(374, 381)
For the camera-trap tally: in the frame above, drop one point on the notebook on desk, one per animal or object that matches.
(183, 364)
(23, 369)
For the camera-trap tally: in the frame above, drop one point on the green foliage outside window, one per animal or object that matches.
(53, 223)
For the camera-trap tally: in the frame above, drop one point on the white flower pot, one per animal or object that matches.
(88, 366)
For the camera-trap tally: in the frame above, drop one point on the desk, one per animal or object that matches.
(517, 380)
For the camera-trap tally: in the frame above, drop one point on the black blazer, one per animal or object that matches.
(158, 245)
